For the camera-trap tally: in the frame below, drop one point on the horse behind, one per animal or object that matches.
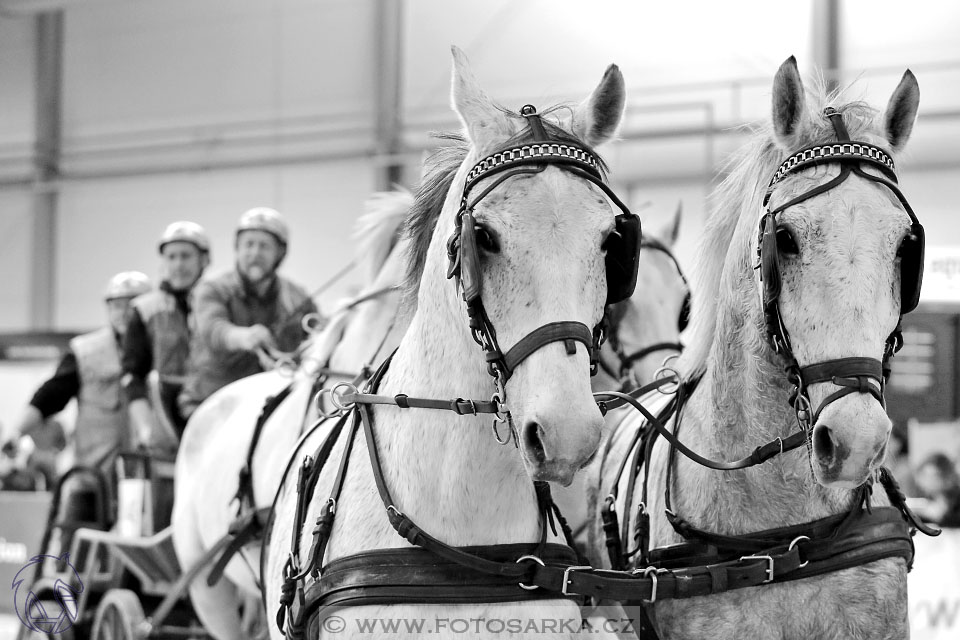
(218, 439)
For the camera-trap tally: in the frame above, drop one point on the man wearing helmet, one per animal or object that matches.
(246, 315)
(90, 372)
(158, 336)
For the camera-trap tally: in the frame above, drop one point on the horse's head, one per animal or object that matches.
(530, 246)
(645, 328)
(840, 263)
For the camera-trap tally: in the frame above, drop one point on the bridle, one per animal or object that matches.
(623, 248)
(615, 314)
(852, 374)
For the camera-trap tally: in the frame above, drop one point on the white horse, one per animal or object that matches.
(215, 446)
(843, 290)
(540, 241)
(652, 317)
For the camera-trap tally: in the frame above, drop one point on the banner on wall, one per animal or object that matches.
(941, 275)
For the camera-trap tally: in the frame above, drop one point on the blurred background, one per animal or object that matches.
(120, 116)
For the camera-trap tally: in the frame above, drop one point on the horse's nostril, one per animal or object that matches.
(823, 444)
(533, 442)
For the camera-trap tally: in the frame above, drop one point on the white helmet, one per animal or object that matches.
(127, 284)
(185, 231)
(265, 219)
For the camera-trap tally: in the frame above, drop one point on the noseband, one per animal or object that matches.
(853, 375)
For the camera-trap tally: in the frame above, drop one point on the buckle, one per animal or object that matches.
(769, 569)
(566, 577)
(650, 572)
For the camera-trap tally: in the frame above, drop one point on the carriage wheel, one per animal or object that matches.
(119, 616)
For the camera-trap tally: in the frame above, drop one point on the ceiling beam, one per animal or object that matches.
(388, 78)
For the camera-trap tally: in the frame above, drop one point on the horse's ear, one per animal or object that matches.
(788, 104)
(597, 118)
(901, 111)
(484, 122)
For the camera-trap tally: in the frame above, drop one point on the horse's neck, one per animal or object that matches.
(446, 471)
(742, 403)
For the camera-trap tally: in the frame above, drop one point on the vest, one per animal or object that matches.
(102, 424)
(169, 334)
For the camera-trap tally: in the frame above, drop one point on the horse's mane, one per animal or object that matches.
(725, 253)
(376, 233)
(440, 168)
(378, 229)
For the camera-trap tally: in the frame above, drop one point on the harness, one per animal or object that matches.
(431, 572)
(710, 563)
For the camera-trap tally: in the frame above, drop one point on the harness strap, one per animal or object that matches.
(628, 359)
(244, 530)
(457, 405)
(412, 575)
(244, 495)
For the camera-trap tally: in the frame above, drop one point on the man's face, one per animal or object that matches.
(258, 254)
(182, 263)
(119, 311)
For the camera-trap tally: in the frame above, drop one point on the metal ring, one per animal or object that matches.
(496, 432)
(311, 322)
(539, 562)
(336, 396)
(794, 543)
(664, 373)
(802, 405)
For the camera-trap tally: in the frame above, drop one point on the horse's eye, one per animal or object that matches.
(487, 240)
(907, 244)
(786, 245)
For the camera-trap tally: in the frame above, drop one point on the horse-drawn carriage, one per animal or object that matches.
(109, 571)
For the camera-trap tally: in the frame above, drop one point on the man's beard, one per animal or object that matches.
(256, 273)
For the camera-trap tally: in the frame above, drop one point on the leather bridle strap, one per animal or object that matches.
(626, 360)
(565, 331)
(853, 375)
